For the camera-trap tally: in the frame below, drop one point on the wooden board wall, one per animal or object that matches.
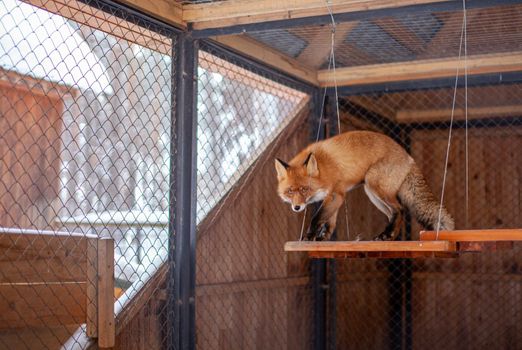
(466, 303)
(250, 293)
(362, 284)
(30, 121)
(472, 302)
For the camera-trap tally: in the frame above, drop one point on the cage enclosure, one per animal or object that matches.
(138, 202)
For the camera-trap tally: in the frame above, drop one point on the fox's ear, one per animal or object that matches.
(280, 168)
(311, 165)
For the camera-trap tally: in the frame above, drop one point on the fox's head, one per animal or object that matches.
(299, 184)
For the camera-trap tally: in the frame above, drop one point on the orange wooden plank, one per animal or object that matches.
(370, 246)
(381, 255)
(473, 235)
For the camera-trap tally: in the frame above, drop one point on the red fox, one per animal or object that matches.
(326, 170)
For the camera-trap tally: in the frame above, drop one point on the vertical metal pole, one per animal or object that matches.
(395, 313)
(400, 280)
(319, 285)
(396, 283)
(408, 270)
(182, 225)
(318, 266)
(331, 323)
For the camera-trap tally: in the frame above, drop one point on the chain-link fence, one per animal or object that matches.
(85, 120)
(468, 302)
(248, 294)
(87, 101)
(86, 115)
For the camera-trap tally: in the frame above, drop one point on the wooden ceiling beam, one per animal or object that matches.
(319, 47)
(398, 31)
(261, 52)
(448, 37)
(423, 69)
(169, 11)
(236, 12)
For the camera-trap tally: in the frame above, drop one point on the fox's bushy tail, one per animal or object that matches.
(416, 195)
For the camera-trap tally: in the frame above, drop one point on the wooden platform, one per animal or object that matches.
(476, 240)
(445, 244)
(374, 249)
(494, 235)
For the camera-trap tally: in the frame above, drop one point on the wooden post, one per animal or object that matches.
(92, 288)
(106, 324)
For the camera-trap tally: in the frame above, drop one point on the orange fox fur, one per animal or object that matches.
(326, 170)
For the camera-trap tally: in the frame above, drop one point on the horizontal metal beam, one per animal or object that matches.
(454, 5)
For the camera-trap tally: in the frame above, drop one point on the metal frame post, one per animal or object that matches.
(182, 226)
(319, 266)
(331, 312)
(407, 266)
(319, 276)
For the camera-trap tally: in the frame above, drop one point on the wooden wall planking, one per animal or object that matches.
(245, 244)
(36, 338)
(30, 146)
(52, 305)
(471, 302)
(41, 257)
(148, 328)
(231, 312)
(494, 174)
(42, 280)
(362, 310)
(249, 292)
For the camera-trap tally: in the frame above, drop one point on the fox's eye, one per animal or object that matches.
(290, 192)
(303, 189)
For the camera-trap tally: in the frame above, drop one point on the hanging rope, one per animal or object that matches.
(462, 36)
(331, 66)
(466, 109)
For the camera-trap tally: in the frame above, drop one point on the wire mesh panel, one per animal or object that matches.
(419, 35)
(85, 114)
(248, 294)
(471, 302)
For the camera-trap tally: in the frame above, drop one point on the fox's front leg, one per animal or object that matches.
(324, 221)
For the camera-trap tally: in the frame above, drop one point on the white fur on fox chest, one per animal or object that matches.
(318, 196)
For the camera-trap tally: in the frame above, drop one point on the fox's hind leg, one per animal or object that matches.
(391, 208)
(324, 221)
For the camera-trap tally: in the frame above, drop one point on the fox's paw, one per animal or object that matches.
(320, 233)
(384, 236)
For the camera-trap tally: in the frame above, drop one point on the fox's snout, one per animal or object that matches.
(298, 207)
